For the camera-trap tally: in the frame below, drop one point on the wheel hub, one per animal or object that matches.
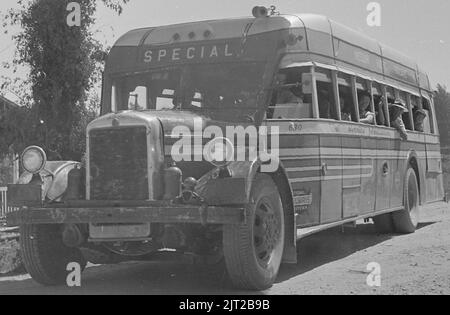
(267, 233)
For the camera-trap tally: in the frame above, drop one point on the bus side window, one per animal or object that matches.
(427, 122)
(348, 109)
(348, 112)
(378, 105)
(418, 113)
(391, 95)
(365, 113)
(325, 95)
(405, 116)
(288, 99)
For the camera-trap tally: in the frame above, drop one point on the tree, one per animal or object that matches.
(442, 104)
(65, 64)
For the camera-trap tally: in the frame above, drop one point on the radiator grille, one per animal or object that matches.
(118, 164)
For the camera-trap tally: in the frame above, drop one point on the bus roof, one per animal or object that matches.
(333, 43)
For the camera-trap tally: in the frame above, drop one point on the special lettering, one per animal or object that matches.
(168, 55)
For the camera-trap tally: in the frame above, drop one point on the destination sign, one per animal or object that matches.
(192, 53)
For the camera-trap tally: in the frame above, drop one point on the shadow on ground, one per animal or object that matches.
(180, 278)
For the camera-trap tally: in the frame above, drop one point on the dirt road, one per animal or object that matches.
(332, 262)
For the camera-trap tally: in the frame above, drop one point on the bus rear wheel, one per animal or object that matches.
(406, 220)
(253, 250)
(44, 254)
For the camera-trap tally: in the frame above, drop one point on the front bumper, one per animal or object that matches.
(114, 213)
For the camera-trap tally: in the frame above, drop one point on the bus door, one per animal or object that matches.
(384, 165)
(331, 179)
(351, 148)
(434, 191)
(399, 156)
(368, 152)
(291, 110)
(330, 147)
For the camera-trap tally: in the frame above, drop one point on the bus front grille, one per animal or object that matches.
(118, 164)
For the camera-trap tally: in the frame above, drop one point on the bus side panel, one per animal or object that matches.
(384, 175)
(300, 157)
(351, 179)
(398, 168)
(422, 161)
(368, 176)
(434, 175)
(331, 179)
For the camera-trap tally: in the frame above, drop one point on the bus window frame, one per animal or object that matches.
(354, 89)
(345, 79)
(335, 83)
(329, 77)
(372, 101)
(435, 123)
(405, 97)
(378, 87)
(274, 89)
(365, 85)
(315, 98)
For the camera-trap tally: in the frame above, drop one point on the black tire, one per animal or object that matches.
(44, 254)
(253, 251)
(384, 223)
(406, 220)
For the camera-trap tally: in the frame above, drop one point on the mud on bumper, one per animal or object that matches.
(108, 213)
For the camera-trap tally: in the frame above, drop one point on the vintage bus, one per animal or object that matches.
(297, 75)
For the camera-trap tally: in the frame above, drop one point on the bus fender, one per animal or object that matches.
(53, 179)
(413, 161)
(281, 180)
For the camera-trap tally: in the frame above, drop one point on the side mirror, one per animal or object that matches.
(307, 87)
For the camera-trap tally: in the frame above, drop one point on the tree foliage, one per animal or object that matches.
(65, 64)
(442, 104)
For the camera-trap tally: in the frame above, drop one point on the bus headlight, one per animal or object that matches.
(33, 159)
(219, 152)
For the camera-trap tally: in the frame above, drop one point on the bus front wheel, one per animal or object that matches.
(406, 220)
(45, 256)
(253, 250)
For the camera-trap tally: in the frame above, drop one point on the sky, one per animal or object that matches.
(418, 28)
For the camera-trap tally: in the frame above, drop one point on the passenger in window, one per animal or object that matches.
(365, 115)
(419, 117)
(396, 110)
(287, 95)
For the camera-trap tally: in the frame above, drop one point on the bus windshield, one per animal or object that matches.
(204, 87)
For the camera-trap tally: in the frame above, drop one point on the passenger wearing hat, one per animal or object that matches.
(419, 117)
(396, 110)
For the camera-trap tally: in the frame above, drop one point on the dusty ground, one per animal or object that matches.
(331, 262)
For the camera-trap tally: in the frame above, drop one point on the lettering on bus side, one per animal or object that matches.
(190, 53)
(302, 201)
